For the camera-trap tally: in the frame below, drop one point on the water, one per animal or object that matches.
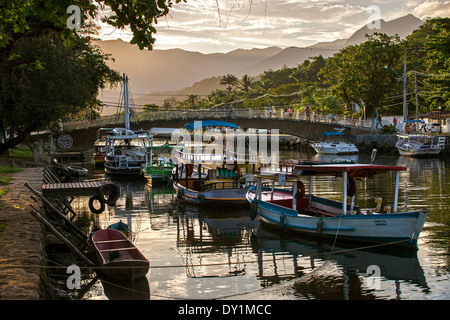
(221, 254)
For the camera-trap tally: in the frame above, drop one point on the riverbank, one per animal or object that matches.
(21, 241)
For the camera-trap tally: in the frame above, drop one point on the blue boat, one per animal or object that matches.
(303, 213)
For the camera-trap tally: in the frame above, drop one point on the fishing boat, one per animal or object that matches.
(206, 176)
(125, 149)
(334, 142)
(122, 227)
(117, 257)
(99, 147)
(159, 165)
(419, 144)
(297, 211)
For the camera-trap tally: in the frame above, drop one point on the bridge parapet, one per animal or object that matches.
(223, 114)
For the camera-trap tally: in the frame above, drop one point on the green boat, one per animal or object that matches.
(160, 168)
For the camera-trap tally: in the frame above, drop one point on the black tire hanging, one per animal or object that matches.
(180, 194)
(101, 200)
(110, 193)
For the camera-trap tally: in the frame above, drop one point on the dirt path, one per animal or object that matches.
(21, 243)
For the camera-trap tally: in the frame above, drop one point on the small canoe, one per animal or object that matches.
(77, 171)
(117, 257)
(120, 226)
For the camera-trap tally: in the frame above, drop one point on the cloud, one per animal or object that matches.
(432, 9)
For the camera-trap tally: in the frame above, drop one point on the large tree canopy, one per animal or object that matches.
(49, 68)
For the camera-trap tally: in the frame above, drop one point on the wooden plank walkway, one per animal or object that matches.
(71, 189)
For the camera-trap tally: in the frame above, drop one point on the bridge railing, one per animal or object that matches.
(199, 114)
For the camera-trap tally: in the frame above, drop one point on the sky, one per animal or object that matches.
(211, 26)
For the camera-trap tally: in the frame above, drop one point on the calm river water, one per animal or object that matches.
(222, 254)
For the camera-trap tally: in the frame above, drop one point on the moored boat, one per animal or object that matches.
(304, 213)
(206, 175)
(419, 144)
(334, 143)
(117, 257)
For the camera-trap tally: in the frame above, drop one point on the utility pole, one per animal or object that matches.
(417, 97)
(405, 105)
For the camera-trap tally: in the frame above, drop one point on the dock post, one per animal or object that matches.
(44, 221)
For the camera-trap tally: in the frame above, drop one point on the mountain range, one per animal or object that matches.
(158, 74)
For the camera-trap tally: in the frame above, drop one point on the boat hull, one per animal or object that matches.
(326, 148)
(117, 257)
(400, 229)
(229, 196)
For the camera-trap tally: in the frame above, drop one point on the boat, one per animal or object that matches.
(159, 169)
(206, 178)
(419, 144)
(99, 147)
(122, 227)
(77, 171)
(334, 142)
(297, 211)
(125, 149)
(117, 257)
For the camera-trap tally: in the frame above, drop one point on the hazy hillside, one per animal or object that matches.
(157, 74)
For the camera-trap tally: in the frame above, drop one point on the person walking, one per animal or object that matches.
(394, 121)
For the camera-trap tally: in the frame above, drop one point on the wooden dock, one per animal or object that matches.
(71, 189)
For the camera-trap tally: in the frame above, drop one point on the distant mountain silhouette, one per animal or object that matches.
(157, 74)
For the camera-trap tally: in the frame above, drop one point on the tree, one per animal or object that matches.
(437, 62)
(191, 100)
(229, 81)
(357, 73)
(246, 83)
(49, 69)
(66, 81)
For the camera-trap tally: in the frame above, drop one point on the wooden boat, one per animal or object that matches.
(416, 145)
(99, 147)
(307, 214)
(206, 176)
(77, 171)
(334, 143)
(122, 227)
(159, 169)
(125, 149)
(117, 257)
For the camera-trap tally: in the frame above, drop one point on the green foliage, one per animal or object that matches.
(357, 73)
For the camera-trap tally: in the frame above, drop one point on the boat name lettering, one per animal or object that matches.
(380, 222)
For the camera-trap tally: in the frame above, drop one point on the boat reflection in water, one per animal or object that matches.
(319, 270)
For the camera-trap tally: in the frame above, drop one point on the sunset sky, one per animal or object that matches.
(221, 26)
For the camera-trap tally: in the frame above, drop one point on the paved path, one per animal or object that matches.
(21, 242)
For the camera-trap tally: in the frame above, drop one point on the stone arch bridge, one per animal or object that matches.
(81, 135)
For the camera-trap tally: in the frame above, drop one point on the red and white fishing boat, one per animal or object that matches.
(298, 211)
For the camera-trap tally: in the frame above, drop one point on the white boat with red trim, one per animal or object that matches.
(302, 212)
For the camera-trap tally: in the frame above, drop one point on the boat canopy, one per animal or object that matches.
(162, 130)
(332, 133)
(414, 121)
(211, 123)
(336, 170)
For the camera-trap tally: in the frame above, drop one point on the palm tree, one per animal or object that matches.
(216, 96)
(246, 83)
(191, 100)
(229, 81)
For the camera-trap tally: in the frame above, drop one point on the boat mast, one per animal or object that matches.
(126, 101)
